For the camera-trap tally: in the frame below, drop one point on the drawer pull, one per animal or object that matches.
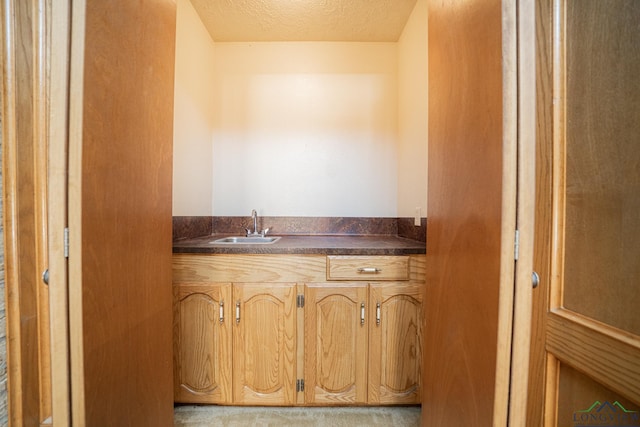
(369, 270)
(221, 311)
(362, 314)
(377, 313)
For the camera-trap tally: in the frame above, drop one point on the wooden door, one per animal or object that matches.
(590, 237)
(26, 99)
(203, 318)
(120, 161)
(336, 329)
(395, 342)
(264, 344)
(480, 178)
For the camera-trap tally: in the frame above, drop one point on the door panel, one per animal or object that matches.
(576, 395)
(471, 213)
(336, 343)
(602, 208)
(592, 325)
(264, 344)
(121, 134)
(395, 346)
(202, 343)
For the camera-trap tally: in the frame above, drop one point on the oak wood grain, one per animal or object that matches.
(543, 214)
(203, 319)
(248, 268)
(264, 344)
(336, 343)
(342, 267)
(266, 268)
(25, 100)
(605, 354)
(395, 343)
(329, 352)
(593, 292)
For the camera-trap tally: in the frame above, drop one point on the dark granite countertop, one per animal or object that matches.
(307, 244)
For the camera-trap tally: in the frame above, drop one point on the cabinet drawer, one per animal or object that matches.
(368, 268)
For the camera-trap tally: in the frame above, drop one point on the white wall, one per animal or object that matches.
(193, 115)
(413, 106)
(300, 128)
(305, 129)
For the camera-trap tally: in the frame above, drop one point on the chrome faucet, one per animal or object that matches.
(255, 232)
(254, 216)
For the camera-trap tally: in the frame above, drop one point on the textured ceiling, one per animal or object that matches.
(304, 20)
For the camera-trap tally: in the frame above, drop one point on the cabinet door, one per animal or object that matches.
(264, 344)
(395, 342)
(336, 343)
(202, 343)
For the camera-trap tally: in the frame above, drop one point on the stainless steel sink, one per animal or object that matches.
(247, 240)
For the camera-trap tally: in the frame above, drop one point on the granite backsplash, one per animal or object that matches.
(188, 227)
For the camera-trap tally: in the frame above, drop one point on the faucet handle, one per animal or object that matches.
(265, 231)
(248, 232)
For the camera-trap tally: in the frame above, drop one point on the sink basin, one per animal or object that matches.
(246, 240)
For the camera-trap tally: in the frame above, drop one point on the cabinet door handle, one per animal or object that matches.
(221, 311)
(369, 270)
(362, 314)
(377, 313)
(238, 312)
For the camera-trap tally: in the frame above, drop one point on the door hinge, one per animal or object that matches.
(516, 245)
(66, 242)
(300, 301)
(300, 385)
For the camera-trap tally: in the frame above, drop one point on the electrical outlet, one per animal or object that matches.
(417, 219)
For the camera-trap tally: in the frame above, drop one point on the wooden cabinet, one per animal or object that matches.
(202, 343)
(335, 343)
(363, 343)
(395, 343)
(363, 338)
(367, 268)
(294, 332)
(264, 344)
(247, 329)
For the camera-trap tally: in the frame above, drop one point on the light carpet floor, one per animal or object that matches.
(235, 416)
